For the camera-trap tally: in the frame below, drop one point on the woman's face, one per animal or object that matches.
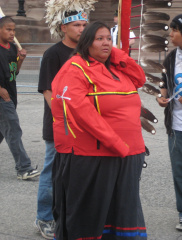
(101, 46)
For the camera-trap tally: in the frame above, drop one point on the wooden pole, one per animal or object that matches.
(119, 23)
(125, 13)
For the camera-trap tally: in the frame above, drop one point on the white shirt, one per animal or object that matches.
(114, 35)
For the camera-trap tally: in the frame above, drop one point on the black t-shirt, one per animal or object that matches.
(8, 70)
(53, 60)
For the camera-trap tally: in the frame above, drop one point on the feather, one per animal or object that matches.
(155, 65)
(152, 16)
(149, 1)
(55, 11)
(147, 126)
(147, 152)
(157, 4)
(154, 48)
(153, 79)
(147, 88)
(149, 38)
(145, 113)
(155, 26)
(148, 16)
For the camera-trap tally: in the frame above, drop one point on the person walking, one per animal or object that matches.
(10, 63)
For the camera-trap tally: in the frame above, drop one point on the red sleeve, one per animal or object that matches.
(127, 65)
(84, 112)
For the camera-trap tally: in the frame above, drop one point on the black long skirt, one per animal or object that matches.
(97, 198)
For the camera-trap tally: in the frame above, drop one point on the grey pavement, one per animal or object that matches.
(18, 198)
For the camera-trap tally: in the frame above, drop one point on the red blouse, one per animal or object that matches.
(100, 114)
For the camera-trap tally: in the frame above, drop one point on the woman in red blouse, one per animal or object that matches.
(99, 143)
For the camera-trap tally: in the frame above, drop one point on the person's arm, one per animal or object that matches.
(4, 75)
(131, 41)
(132, 38)
(47, 95)
(22, 55)
(4, 94)
(128, 66)
(180, 100)
(49, 67)
(163, 102)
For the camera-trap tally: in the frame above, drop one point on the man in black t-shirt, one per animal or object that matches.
(9, 122)
(53, 60)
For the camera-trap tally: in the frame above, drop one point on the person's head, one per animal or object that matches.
(72, 26)
(95, 42)
(7, 30)
(116, 16)
(176, 31)
(60, 14)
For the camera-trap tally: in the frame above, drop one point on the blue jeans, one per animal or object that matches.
(44, 197)
(175, 151)
(11, 131)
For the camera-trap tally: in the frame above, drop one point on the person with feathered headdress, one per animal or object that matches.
(66, 20)
(65, 11)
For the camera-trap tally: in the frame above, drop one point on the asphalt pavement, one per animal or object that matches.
(18, 199)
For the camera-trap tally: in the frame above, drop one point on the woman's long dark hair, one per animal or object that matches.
(86, 39)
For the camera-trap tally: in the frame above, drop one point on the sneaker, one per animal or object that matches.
(179, 225)
(29, 174)
(45, 228)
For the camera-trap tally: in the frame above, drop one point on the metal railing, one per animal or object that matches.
(28, 77)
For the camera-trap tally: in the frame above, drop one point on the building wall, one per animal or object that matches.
(34, 29)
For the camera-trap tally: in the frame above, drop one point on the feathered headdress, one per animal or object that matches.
(56, 9)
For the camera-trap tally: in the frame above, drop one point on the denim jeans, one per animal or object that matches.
(1, 137)
(175, 151)
(44, 197)
(11, 131)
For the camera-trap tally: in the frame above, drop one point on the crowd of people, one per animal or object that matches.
(94, 149)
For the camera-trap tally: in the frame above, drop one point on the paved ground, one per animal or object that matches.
(18, 198)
